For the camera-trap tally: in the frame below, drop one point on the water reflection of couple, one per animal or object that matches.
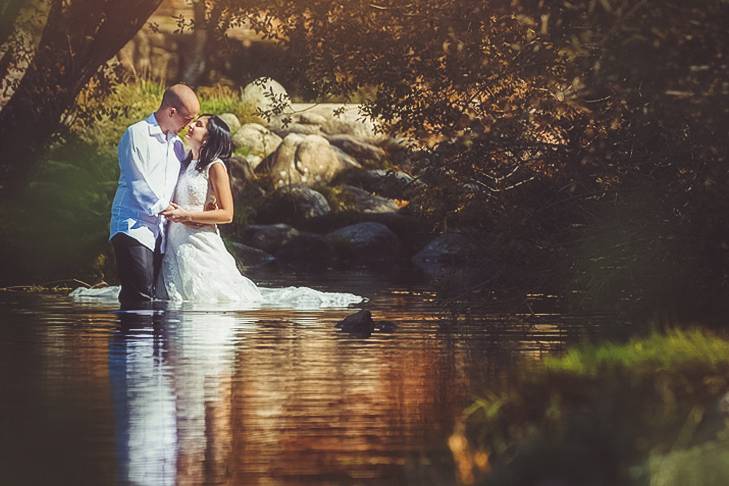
(166, 210)
(171, 386)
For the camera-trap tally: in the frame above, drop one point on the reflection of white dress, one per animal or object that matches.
(198, 268)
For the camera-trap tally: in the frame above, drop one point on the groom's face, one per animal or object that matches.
(181, 118)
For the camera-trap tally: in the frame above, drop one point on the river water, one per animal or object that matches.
(269, 396)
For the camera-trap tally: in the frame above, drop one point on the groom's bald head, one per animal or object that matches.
(182, 98)
(178, 108)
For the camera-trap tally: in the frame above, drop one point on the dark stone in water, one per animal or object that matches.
(247, 256)
(358, 323)
(268, 237)
(369, 242)
(307, 249)
(362, 324)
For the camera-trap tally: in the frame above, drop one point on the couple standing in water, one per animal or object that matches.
(168, 204)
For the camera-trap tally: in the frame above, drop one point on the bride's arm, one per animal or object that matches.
(223, 214)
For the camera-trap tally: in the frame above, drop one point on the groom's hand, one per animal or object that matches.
(211, 206)
(168, 211)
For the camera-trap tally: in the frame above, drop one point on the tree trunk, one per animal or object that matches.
(197, 61)
(9, 10)
(79, 37)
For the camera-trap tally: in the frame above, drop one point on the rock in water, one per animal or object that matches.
(247, 256)
(293, 205)
(366, 242)
(269, 237)
(307, 249)
(359, 149)
(359, 323)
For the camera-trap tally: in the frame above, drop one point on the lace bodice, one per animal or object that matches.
(193, 189)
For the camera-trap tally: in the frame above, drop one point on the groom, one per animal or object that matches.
(150, 153)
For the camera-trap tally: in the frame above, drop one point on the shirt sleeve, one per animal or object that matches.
(134, 164)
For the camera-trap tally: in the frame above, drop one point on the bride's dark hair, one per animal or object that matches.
(218, 144)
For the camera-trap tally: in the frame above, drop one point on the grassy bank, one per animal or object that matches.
(649, 411)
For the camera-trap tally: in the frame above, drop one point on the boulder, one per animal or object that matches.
(307, 160)
(446, 252)
(359, 149)
(336, 118)
(241, 168)
(243, 181)
(307, 249)
(359, 324)
(259, 140)
(268, 237)
(247, 256)
(350, 198)
(231, 120)
(264, 94)
(299, 128)
(292, 205)
(370, 242)
(312, 118)
(391, 184)
(254, 161)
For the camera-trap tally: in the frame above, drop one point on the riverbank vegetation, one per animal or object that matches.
(654, 410)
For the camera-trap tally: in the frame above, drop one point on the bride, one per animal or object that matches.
(196, 266)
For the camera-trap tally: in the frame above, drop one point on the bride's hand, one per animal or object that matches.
(176, 214)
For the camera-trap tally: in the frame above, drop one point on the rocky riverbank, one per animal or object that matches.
(317, 185)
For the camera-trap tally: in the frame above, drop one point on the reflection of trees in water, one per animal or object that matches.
(324, 405)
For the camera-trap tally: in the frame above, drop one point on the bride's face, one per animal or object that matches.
(198, 131)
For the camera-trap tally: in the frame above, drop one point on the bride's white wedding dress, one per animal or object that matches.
(198, 268)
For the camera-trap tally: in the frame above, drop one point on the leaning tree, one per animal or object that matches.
(77, 39)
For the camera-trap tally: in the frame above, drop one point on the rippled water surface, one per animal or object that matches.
(277, 396)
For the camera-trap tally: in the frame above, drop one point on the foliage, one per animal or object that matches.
(46, 71)
(583, 139)
(605, 415)
(58, 225)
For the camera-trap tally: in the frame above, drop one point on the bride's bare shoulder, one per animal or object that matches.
(217, 167)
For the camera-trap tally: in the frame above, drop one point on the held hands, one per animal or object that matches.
(176, 213)
(179, 215)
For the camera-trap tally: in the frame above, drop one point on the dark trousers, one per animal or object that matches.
(137, 267)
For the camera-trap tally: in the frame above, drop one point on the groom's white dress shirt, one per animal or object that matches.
(149, 165)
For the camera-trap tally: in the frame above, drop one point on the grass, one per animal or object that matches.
(606, 414)
(106, 119)
(674, 351)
